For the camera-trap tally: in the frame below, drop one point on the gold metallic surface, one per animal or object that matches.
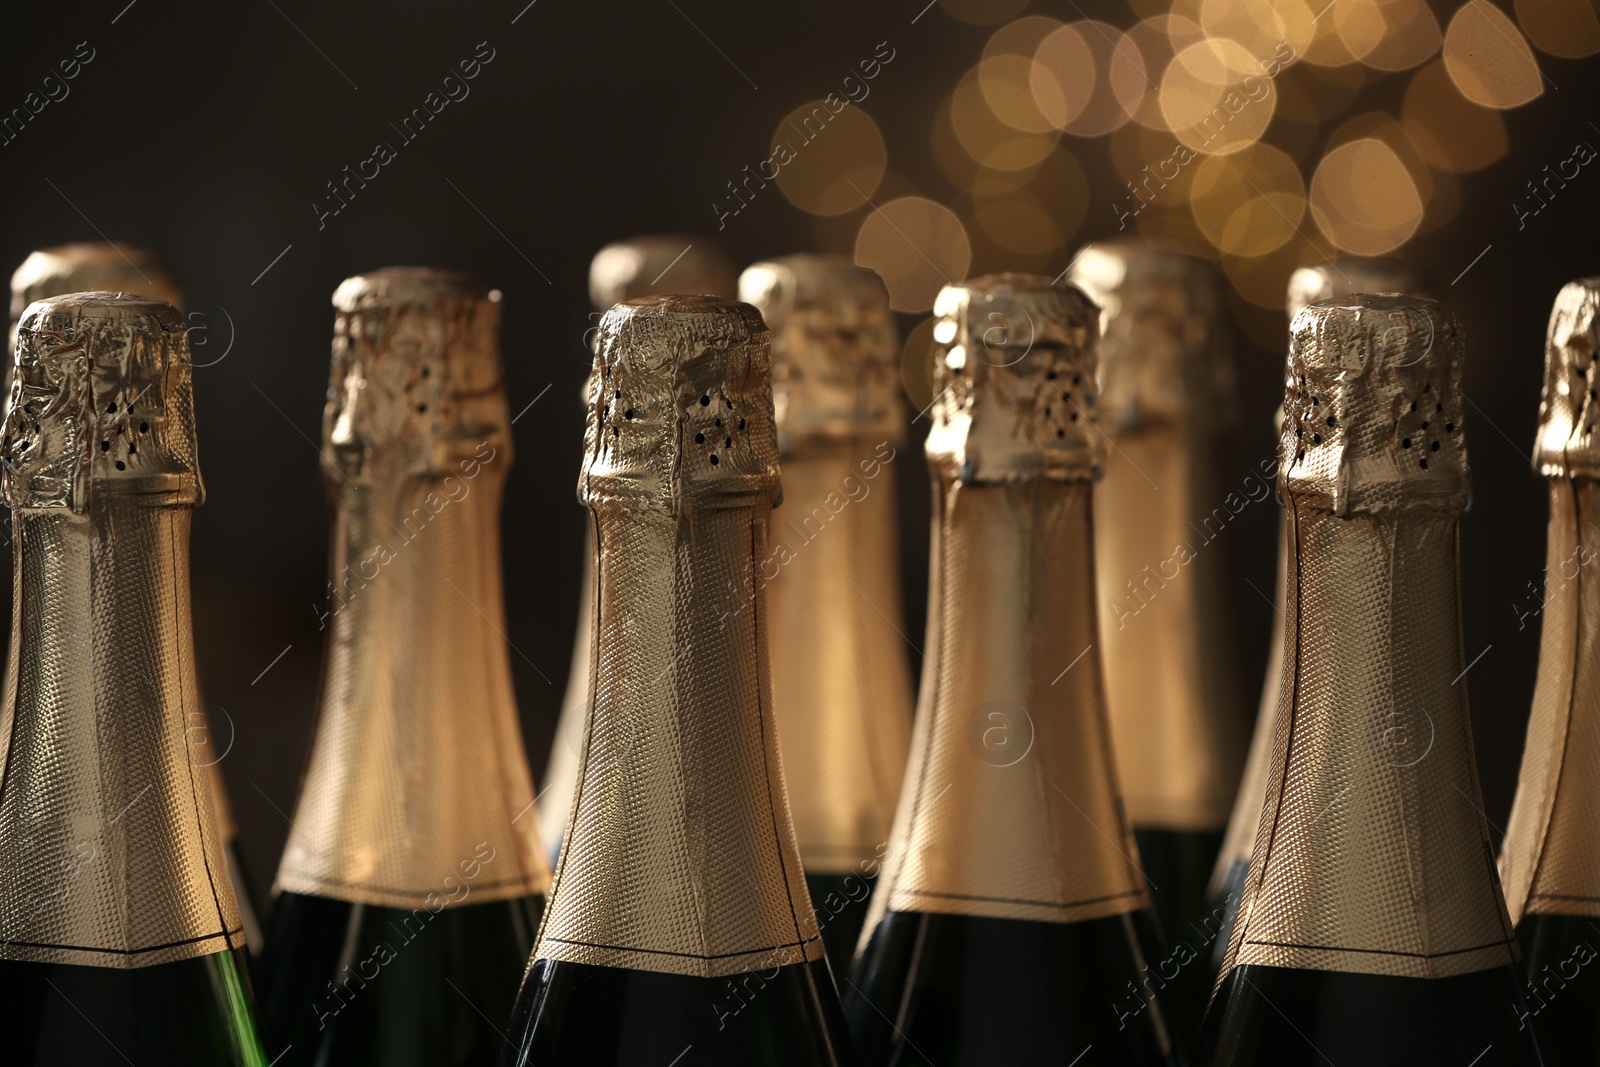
(1166, 394)
(1372, 854)
(1549, 862)
(92, 267)
(418, 761)
(1341, 277)
(841, 689)
(1567, 446)
(1010, 806)
(680, 856)
(646, 265)
(110, 852)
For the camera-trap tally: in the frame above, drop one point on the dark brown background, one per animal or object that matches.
(206, 132)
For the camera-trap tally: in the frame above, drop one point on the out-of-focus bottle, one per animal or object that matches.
(680, 925)
(120, 939)
(1551, 857)
(1372, 929)
(119, 268)
(647, 265)
(1341, 277)
(1011, 924)
(841, 688)
(1162, 515)
(412, 883)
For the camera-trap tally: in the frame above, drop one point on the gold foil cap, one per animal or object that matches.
(1014, 378)
(835, 349)
(1162, 358)
(101, 402)
(1373, 406)
(681, 414)
(415, 378)
(652, 264)
(92, 267)
(1348, 275)
(1566, 446)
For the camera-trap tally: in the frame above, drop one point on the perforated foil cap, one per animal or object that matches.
(1163, 360)
(92, 267)
(653, 264)
(1373, 406)
(415, 377)
(1014, 380)
(1566, 446)
(835, 349)
(681, 415)
(101, 402)
(1348, 275)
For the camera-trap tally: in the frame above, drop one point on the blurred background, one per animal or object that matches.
(270, 148)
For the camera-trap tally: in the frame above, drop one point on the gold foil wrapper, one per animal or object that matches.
(647, 265)
(680, 856)
(110, 852)
(1010, 807)
(840, 687)
(1568, 410)
(92, 267)
(1548, 861)
(417, 763)
(1167, 392)
(1307, 285)
(1372, 854)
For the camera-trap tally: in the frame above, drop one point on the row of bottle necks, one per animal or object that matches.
(354, 969)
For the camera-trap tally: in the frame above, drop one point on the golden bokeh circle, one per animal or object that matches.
(827, 161)
(1364, 199)
(1566, 28)
(917, 246)
(1250, 202)
(989, 141)
(1489, 59)
(1088, 78)
(1216, 97)
(1452, 133)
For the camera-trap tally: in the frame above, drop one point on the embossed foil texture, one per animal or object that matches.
(1372, 854)
(1166, 385)
(841, 684)
(680, 853)
(1033, 828)
(1307, 285)
(110, 854)
(1549, 859)
(418, 758)
(647, 265)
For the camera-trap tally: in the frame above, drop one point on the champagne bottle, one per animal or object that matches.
(1179, 732)
(1372, 929)
(80, 268)
(1551, 878)
(1307, 285)
(120, 939)
(680, 925)
(647, 265)
(841, 690)
(1011, 924)
(411, 885)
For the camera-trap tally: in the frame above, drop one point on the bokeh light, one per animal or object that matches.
(1088, 78)
(983, 12)
(1566, 28)
(1158, 39)
(1489, 59)
(1364, 199)
(1450, 131)
(917, 246)
(985, 138)
(828, 162)
(1215, 96)
(916, 364)
(1250, 202)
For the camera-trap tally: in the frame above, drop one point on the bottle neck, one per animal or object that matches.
(1010, 808)
(417, 792)
(107, 830)
(1178, 732)
(680, 856)
(1373, 855)
(1555, 819)
(840, 686)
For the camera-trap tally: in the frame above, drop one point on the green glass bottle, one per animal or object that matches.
(120, 938)
(841, 687)
(1371, 928)
(411, 886)
(1011, 923)
(680, 925)
(1549, 859)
